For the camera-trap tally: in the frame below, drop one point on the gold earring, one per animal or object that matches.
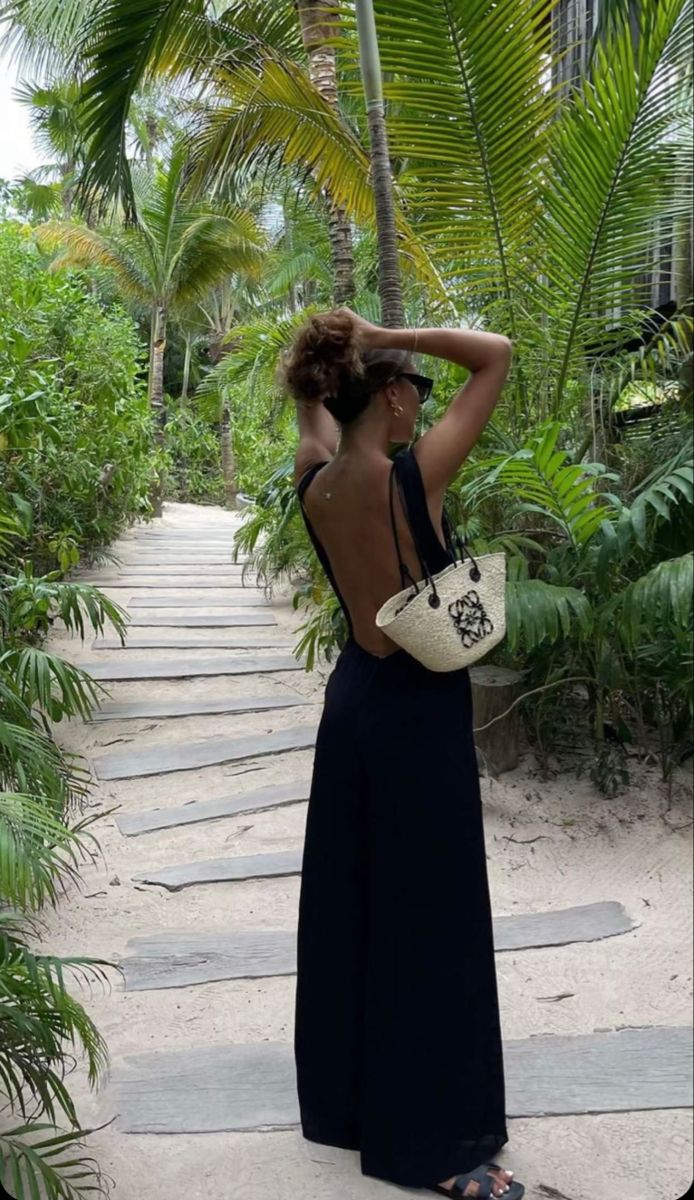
(397, 409)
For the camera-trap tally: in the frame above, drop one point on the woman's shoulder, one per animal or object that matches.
(305, 474)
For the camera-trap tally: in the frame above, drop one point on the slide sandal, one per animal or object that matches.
(486, 1185)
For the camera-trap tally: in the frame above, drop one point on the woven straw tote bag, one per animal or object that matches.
(452, 619)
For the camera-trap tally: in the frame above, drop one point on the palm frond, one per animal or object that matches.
(599, 225)
(131, 41)
(58, 687)
(468, 119)
(276, 115)
(541, 613)
(661, 597)
(667, 486)
(38, 852)
(119, 251)
(543, 482)
(38, 1160)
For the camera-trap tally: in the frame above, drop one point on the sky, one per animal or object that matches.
(17, 153)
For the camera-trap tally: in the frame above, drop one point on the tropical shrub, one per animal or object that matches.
(44, 841)
(75, 431)
(193, 469)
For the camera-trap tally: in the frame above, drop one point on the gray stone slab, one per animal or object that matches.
(583, 923)
(183, 960)
(248, 597)
(134, 709)
(206, 639)
(194, 536)
(172, 960)
(149, 820)
(208, 1089)
(183, 620)
(179, 668)
(188, 756)
(201, 559)
(171, 581)
(224, 870)
(186, 569)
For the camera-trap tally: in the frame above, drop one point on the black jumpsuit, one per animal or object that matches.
(397, 1031)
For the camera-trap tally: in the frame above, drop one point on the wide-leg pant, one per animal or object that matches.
(397, 1034)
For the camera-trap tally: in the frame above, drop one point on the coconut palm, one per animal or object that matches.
(252, 62)
(538, 209)
(177, 251)
(54, 111)
(319, 26)
(393, 312)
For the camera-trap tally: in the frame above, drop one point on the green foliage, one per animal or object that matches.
(193, 471)
(74, 421)
(274, 533)
(43, 848)
(601, 592)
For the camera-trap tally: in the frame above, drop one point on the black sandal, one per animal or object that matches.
(486, 1181)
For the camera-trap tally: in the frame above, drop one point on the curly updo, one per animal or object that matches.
(327, 364)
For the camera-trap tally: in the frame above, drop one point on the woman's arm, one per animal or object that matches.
(442, 450)
(317, 437)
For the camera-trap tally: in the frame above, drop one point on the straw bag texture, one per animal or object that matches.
(454, 618)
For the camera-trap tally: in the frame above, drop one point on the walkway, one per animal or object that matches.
(204, 750)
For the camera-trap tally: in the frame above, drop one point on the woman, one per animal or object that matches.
(397, 1037)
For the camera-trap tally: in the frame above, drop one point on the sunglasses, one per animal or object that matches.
(422, 383)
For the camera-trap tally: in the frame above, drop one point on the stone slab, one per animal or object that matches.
(225, 600)
(188, 756)
(126, 668)
(209, 1089)
(170, 960)
(206, 639)
(149, 820)
(247, 597)
(205, 621)
(186, 569)
(134, 709)
(171, 581)
(224, 870)
(174, 960)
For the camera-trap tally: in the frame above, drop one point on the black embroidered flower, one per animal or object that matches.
(470, 618)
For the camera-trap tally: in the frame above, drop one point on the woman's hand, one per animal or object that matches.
(369, 335)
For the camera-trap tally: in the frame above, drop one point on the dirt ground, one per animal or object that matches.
(551, 843)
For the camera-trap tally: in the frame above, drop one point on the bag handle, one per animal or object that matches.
(405, 574)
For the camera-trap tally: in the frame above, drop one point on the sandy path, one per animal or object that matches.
(587, 848)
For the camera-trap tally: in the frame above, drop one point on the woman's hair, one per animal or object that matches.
(326, 364)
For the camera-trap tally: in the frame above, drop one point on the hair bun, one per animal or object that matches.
(324, 357)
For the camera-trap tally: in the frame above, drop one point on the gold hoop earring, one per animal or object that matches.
(397, 410)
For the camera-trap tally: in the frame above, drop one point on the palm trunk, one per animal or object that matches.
(684, 289)
(389, 284)
(228, 461)
(156, 395)
(318, 27)
(186, 367)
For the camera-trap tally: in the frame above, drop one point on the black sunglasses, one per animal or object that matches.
(422, 383)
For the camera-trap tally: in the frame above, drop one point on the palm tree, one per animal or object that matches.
(248, 61)
(54, 111)
(531, 210)
(392, 308)
(177, 251)
(319, 26)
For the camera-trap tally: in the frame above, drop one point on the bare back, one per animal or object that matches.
(347, 503)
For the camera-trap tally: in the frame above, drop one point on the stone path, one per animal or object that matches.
(189, 744)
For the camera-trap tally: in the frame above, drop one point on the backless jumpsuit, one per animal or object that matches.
(397, 1031)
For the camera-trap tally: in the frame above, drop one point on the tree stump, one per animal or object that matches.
(493, 690)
